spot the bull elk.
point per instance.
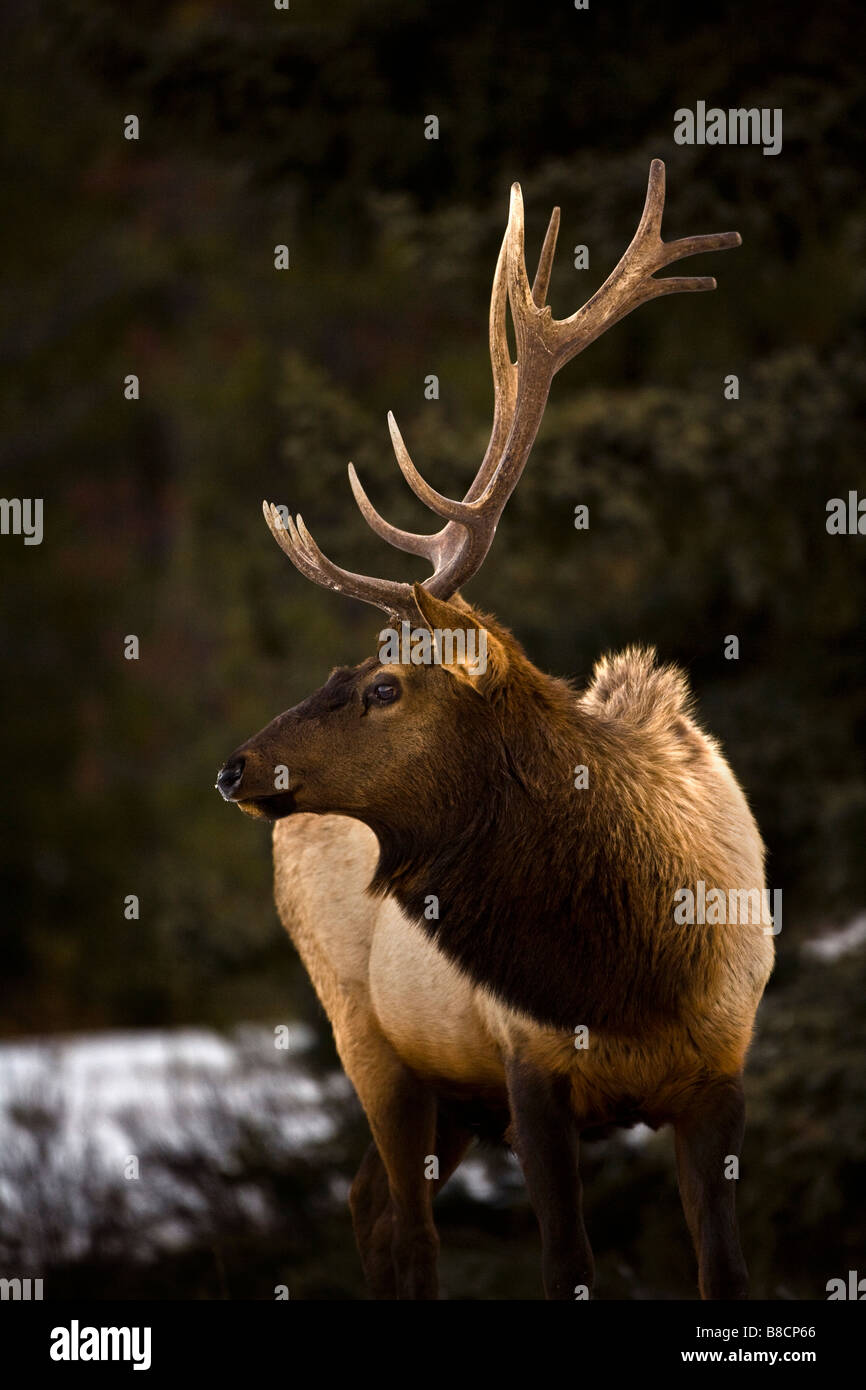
(451, 783)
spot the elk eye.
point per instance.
(384, 692)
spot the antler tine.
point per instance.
(541, 283)
(504, 371)
(384, 593)
(289, 542)
(414, 543)
(650, 224)
(505, 382)
(297, 543)
(504, 377)
(524, 309)
(505, 374)
(504, 395)
(649, 229)
(441, 505)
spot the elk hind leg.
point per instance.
(708, 1137)
(547, 1143)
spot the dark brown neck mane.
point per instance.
(545, 894)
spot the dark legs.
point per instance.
(546, 1140)
(391, 1198)
(708, 1137)
(370, 1204)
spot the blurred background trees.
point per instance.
(155, 257)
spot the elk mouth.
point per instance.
(272, 808)
(272, 805)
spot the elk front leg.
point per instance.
(547, 1143)
(372, 1218)
(708, 1136)
(373, 1214)
(402, 1115)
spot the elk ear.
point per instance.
(464, 645)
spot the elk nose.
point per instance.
(230, 777)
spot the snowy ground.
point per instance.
(139, 1144)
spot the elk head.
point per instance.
(388, 741)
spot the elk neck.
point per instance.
(530, 884)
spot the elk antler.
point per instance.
(544, 344)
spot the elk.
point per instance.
(449, 783)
